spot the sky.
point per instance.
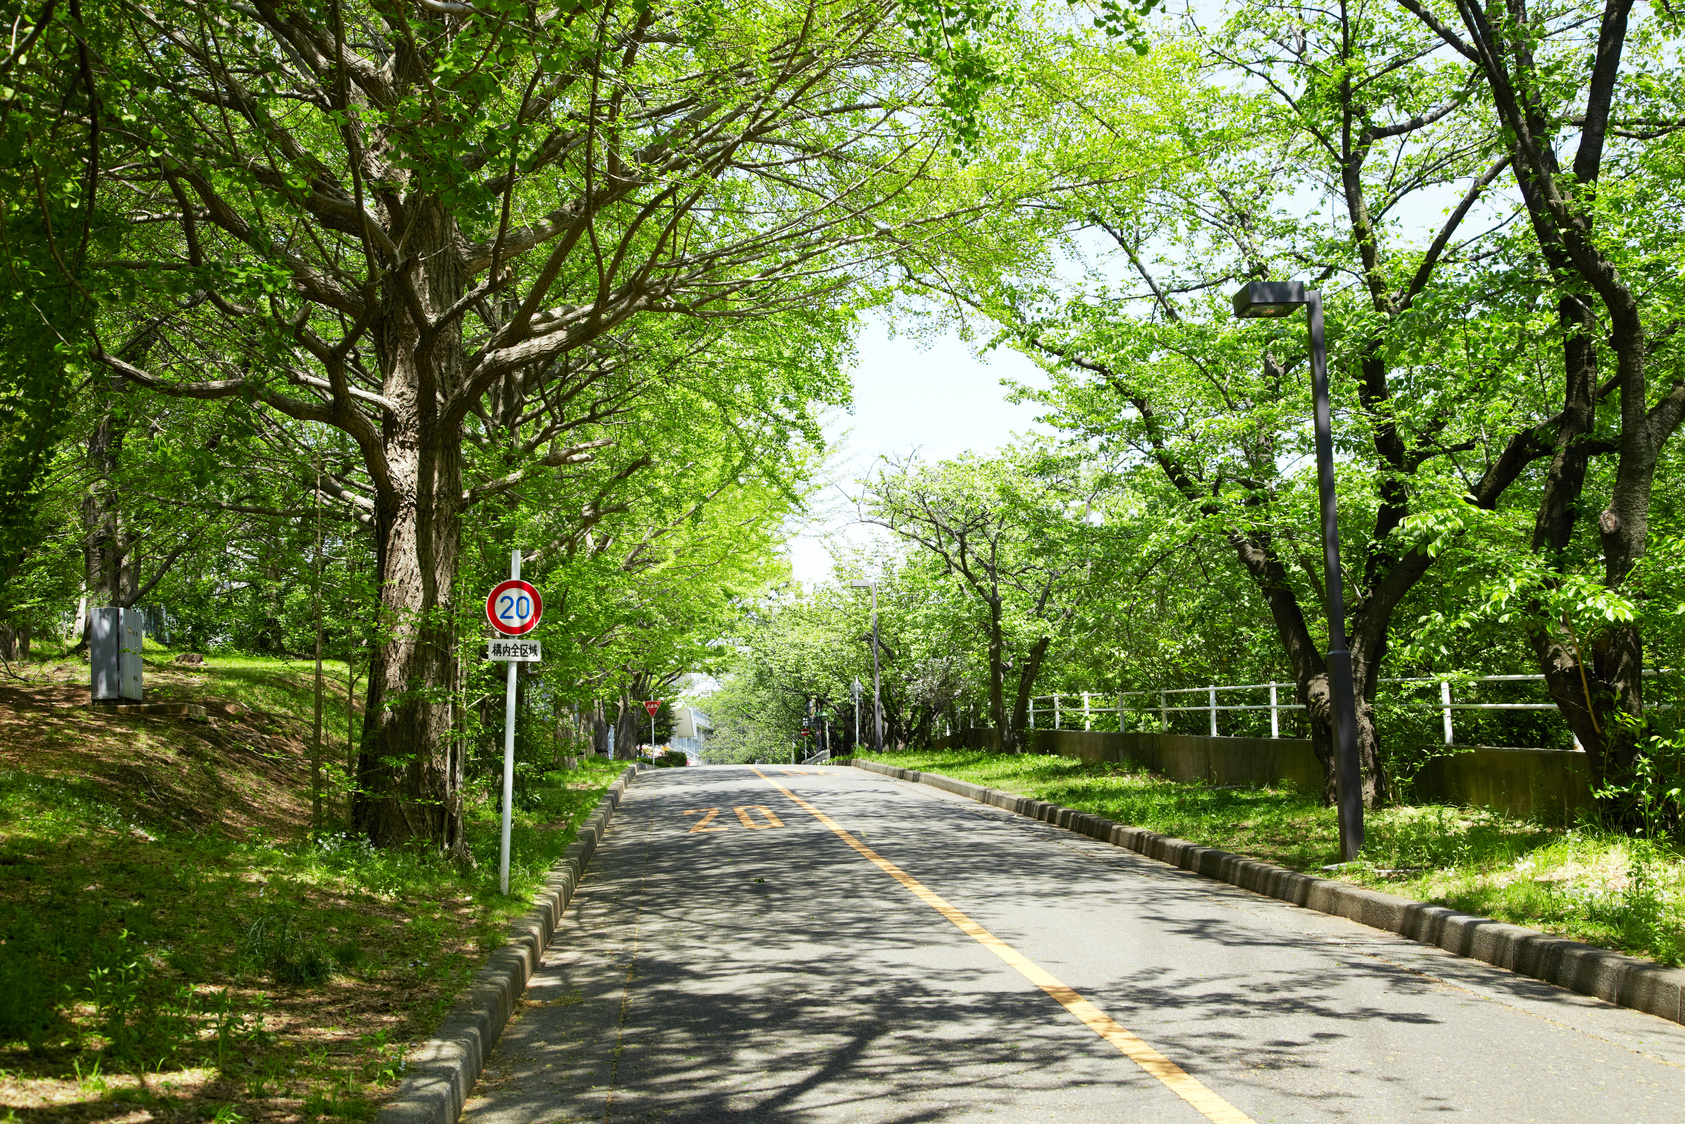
(936, 397)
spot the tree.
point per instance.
(796, 653)
(1154, 365)
(51, 221)
(1021, 535)
(465, 230)
(1610, 268)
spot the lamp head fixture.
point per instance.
(1259, 299)
(862, 585)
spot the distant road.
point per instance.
(798, 946)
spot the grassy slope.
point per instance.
(174, 942)
(1603, 889)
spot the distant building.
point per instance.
(690, 731)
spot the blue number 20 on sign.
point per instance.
(514, 607)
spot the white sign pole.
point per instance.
(508, 752)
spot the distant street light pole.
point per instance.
(1261, 299)
(877, 686)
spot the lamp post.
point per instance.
(877, 691)
(1263, 299)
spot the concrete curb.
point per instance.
(441, 1072)
(170, 710)
(1625, 981)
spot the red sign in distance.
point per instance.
(514, 607)
(652, 706)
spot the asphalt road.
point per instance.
(807, 946)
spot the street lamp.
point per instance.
(1261, 299)
(877, 692)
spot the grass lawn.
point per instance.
(1590, 885)
(176, 944)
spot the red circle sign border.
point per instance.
(504, 587)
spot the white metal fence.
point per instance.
(1063, 709)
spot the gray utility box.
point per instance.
(114, 654)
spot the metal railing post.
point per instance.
(1057, 720)
(1086, 722)
(1275, 714)
(1032, 712)
(1163, 714)
(1213, 710)
(1120, 727)
(1445, 708)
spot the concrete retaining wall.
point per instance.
(971, 737)
(1550, 783)
(1185, 757)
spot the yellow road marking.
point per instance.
(743, 811)
(702, 824)
(1174, 1077)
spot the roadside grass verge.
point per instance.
(1583, 883)
(177, 944)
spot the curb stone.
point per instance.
(441, 1072)
(171, 710)
(1625, 981)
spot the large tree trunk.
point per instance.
(632, 723)
(599, 729)
(1310, 671)
(1556, 650)
(1596, 680)
(1314, 695)
(14, 637)
(1026, 683)
(409, 773)
(997, 682)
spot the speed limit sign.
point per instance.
(514, 607)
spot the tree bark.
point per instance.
(1310, 671)
(409, 786)
(599, 729)
(409, 772)
(107, 563)
(997, 681)
(1031, 668)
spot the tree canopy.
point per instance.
(322, 309)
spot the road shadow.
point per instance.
(771, 974)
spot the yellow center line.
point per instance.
(1174, 1077)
